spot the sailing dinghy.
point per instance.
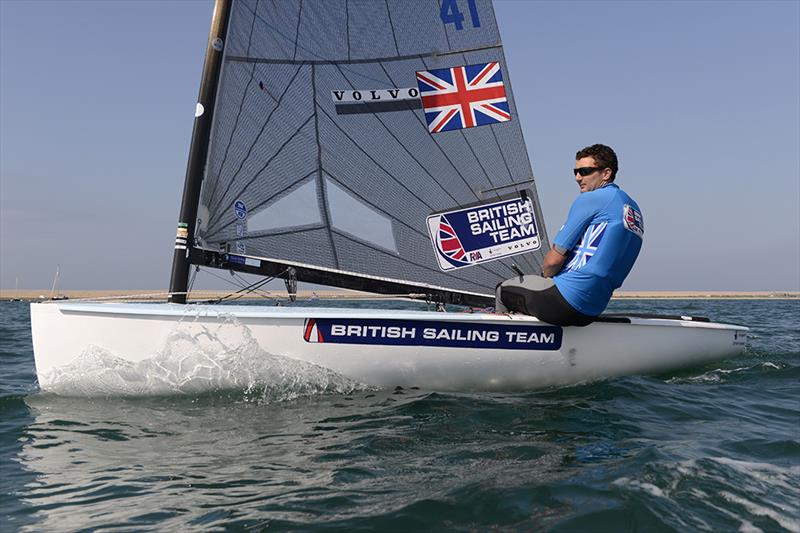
(371, 146)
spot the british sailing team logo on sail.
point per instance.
(463, 97)
(431, 333)
(485, 232)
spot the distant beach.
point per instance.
(155, 295)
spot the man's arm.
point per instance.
(553, 262)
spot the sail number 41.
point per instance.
(450, 14)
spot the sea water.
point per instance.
(283, 445)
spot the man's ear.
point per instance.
(606, 174)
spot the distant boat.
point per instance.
(375, 148)
(16, 291)
(53, 295)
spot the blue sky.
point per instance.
(701, 100)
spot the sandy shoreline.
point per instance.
(155, 295)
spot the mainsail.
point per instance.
(327, 149)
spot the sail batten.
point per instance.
(296, 172)
(388, 59)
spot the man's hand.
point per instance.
(552, 263)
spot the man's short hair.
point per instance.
(603, 155)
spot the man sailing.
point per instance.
(592, 254)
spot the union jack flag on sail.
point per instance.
(463, 97)
(587, 247)
(449, 243)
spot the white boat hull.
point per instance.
(62, 332)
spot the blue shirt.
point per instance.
(603, 234)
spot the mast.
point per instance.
(198, 150)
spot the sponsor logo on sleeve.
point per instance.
(633, 220)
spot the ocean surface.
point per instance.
(712, 448)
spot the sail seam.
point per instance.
(391, 25)
(297, 30)
(389, 59)
(444, 28)
(322, 192)
(347, 25)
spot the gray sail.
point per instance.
(305, 164)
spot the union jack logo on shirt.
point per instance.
(463, 97)
(449, 243)
(587, 247)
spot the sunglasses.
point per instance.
(585, 171)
